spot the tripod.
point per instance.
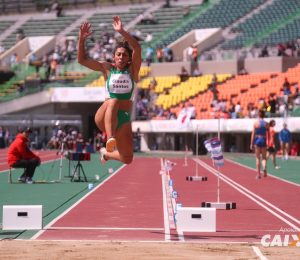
(78, 168)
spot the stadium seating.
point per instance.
(287, 33)
(42, 27)
(186, 90)
(214, 17)
(260, 23)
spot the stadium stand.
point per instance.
(211, 16)
(260, 24)
(43, 27)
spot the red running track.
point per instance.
(129, 206)
(250, 221)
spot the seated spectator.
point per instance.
(149, 55)
(20, 35)
(159, 54)
(167, 54)
(264, 52)
(184, 74)
(20, 156)
(272, 105)
(148, 19)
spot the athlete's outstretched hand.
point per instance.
(85, 30)
(117, 24)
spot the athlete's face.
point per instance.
(121, 58)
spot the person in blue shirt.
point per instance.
(259, 136)
(285, 139)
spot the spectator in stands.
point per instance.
(192, 110)
(36, 63)
(271, 151)
(159, 54)
(149, 55)
(190, 53)
(297, 48)
(57, 8)
(281, 49)
(195, 54)
(20, 35)
(148, 37)
(53, 68)
(213, 87)
(259, 137)
(285, 139)
(148, 19)
(20, 156)
(264, 52)
(167, 54)
(20, 88)
(14, 60)
(286, 93)
(296, 97)
(272, 105)
(113, 116)
(184, 74)
(47, 67)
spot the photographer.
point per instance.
(20, 156)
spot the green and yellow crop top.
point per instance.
(119, 84)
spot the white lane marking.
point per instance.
(259, 253)
(244, 191)
(103, 228)
(260, 198)
(165, 207)
(273, 176)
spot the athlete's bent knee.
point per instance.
(127, 159)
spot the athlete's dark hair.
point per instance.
(125, 45)
(272, 122)
(261, 113)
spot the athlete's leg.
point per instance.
(110, 118)
(111, 121)
(257, 160)
(99, 116)
(124, 152)
(264, 160)
(287, 150)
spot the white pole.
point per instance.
(219, 137)
(61, 160)
(185, 156)
(218, 190)
(197, 133)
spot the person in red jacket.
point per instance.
(20, 156)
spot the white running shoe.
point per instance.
(102, 153)
(111, 144)
(277, 167)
